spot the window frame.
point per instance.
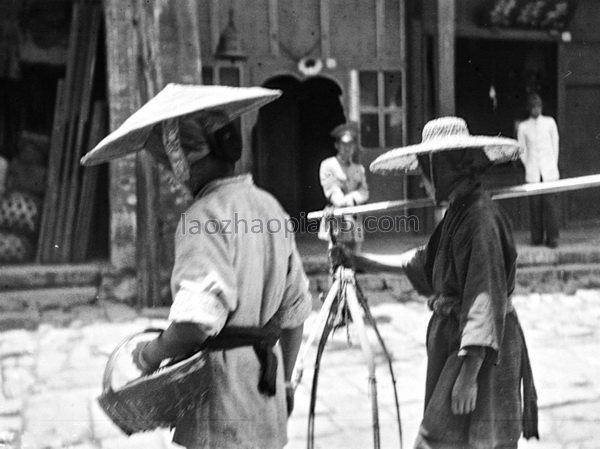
(381, 110)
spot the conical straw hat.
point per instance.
(173, 101)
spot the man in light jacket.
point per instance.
(539, 137)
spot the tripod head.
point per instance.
(340, 255)
(337, 253)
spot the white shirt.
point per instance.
(234, 241)
(539, 138)
(343, 185)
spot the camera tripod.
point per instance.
(345, 304)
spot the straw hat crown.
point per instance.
(444, 127)
(444, 134)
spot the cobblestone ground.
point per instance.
(50, 378)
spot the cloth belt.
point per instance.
(446, 305)
(262, 339)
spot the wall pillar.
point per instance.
(445, 41)
(173, 30)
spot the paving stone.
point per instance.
(119, 312)
(25, 319)
(9, 439)
(58, 419)
(10, 406)
(86, 314)
(101, 425)
(16, 381)
(17, 343)
(562, 332)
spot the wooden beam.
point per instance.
(88, 77)
(52, 175)
(273, 28)
(147, 180)
(354, 96)
(188, 39)
(215, 24)
(89, 188)
(446, 26)
(379, 27)
(325, 24)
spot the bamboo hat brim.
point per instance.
(445, 134)
(173, 101)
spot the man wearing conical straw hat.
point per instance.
(477, 357)
(238, 286)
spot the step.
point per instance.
(47, 298)
(15, 277)
(542, 278)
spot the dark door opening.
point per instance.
(493, 79)
(40, 143)
(291, 138)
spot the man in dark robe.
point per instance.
(477, 357)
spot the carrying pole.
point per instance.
(517, 191)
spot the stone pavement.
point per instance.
(50, 377)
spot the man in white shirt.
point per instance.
(344, 183)
(539, 137)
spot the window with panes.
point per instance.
(381, 108)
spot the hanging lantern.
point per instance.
(230, 45)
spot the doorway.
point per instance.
(493, 79)
(292, 137)
(52, 110)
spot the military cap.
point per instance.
(346, 132)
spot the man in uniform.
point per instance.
(344, 183)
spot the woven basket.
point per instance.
(15, 248)
(156, 400)
(20, 213)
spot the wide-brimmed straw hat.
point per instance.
(444, 134)
(177, 100)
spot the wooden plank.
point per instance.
(446, 13)
(379, 27)
(79, 149)
(147, 180)
(89, 186)
(52, 173)
(215, 25)
(325, 24)
(188, 40)
(73, 116)
(46, 238)
(273, 28)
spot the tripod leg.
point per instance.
(358, 320)
(320, 348)
(371, 321)
(317, 327)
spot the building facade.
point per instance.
(390, 65)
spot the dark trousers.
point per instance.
(544, 216)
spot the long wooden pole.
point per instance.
(518, 191)
(72, 192)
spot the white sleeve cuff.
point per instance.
(198, 302)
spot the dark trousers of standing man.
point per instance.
(544, 216)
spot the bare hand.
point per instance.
(464, 393)
(289, 399)
(140, 361)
